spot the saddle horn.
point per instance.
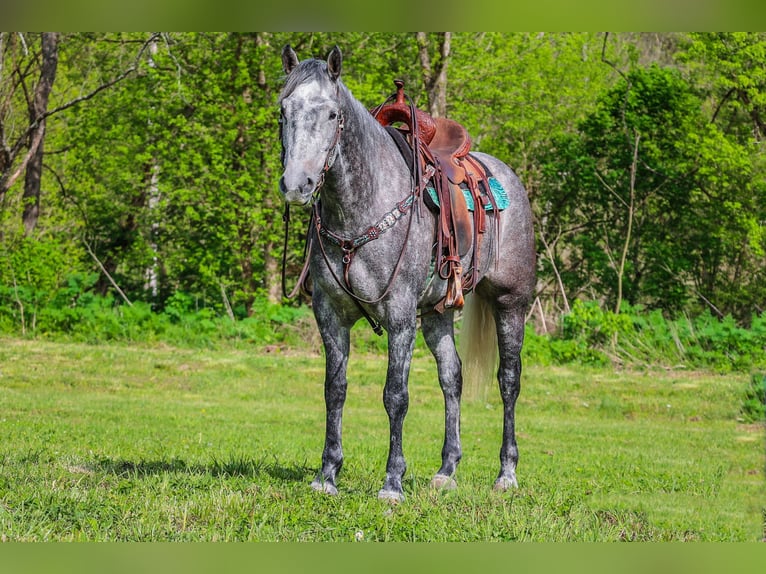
(399, 111)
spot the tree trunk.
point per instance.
(631, 214)
(272, 278)
(435, 73)
(37, 110)
(152, 272)
(32, 181)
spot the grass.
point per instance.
(153, 443)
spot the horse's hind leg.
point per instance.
(439, 336)
(510, 335)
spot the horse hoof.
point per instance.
(505, 483)
(324, 487)
(390, 496)
(443, 482)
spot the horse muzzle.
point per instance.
(297, 192)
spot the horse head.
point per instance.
(311, 121)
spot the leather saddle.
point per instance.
(444, 145)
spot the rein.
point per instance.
(300, 286)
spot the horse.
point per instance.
(370, 255)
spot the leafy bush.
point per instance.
(704, 341)
(34, 276)
(589, 323)
(754, 402)
(588, 335)
(72, 311)
(593, 336)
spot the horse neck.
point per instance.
(369, 176)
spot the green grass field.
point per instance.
(133, 443)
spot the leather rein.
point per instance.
(347, 246)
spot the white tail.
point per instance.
(478, 348)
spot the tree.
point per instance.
(22, 148)
(636, 185)
(435, 70)
(99, 190)
(518, 94)
(39, 243)
(19, 58)
(727, 70)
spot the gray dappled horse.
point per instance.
(331, 141)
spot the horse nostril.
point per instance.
(294, 183)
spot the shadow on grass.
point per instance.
(234, 467)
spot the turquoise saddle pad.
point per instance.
(495, 188)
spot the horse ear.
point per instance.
(334, 61)
(289, 59)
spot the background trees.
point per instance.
(149, 174)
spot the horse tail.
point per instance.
(478, 348)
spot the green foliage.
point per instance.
(591, 335)
(725, 345)
(515, 91)
(588, 322)
(72, 311)
(647, 115)
(165, 182)
(32, 272)
(588, 335)
(729, 67)
(649, 181)
(583, 338)
(754, 401)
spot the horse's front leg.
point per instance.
(335, 336)
(401, 341)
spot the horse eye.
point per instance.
(333, 115)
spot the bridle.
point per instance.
(332, 154)
(350, 246)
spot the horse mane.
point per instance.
(312, 68)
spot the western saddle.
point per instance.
(438, 155)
